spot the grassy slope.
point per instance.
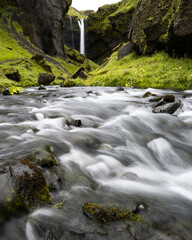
(75, 13)
(14, 54)
(156, 71)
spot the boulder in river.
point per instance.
(167, 107)
(30, 183)
(120, 89)
(101, 214)
(73, 122)
(45, 78)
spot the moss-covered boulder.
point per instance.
(80, 73)
(162, 24)
(68, 83)
(41, 60)
(12, 74)
(105, 214)
(30, 183)
(45, 78)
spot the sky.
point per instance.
(91, 4)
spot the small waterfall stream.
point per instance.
(72, 35)
(81, 23)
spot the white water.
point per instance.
(81, 23)
(72, 35)
(122, 154)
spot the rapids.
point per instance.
(123, 155)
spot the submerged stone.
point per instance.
(99, 213)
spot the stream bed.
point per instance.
(122, 155)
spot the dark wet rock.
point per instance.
(43, 158)
(90, 92)
(43, 22)
(73, 122)
(148, 94)
(80, 73)
(42, 88)
(163, 107)
(162, 24)
(119, 89)
(13, 74)
(6, 92)
(68, 83)
(99, 213)
(29, 181)
(169, 98)
(155, 99)
(41, 60)
(125, 50)
(45, 78)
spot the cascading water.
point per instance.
(81, 23)
(72, 35)
(123, 155)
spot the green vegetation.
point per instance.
(75, 13)
(16, 51)
(102, 214)
(156, 71)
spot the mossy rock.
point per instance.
(45, 78)
(41, 60)
(68, 83)
(30, 183)
(42, 158)
(12, 74)
(107, 214)
(75, 55)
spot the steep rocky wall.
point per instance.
(163, 24)
(43, 22)
(106, 29)
(67, 35)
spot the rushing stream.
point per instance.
(122, 155)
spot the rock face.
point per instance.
(72, 39)
(105, 30)
(162, 24)
(43, 22)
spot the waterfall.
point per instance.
(81, 23)
(72, 36)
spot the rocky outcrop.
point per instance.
(162, 24)
(125, 50)
(43, 22)
(105, 30)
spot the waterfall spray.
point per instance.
(81, 23)
(72, 36)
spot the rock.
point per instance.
(73, 122)
(162, 24)
(119, 89)
(106, 29)
(45, 78)
(125, 50)
(167, 107)
(148, 94)
(104, 215)
(42, 88)
(43, 22)
(42, 158)
(41, 60)
(6, 92)
(169, 98)
(29, 181)
(68, 83)
(80, 73)
(13, 74)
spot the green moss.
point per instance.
(156, 71)
(75, 13)
(99, 213)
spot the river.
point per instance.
(123, 155)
